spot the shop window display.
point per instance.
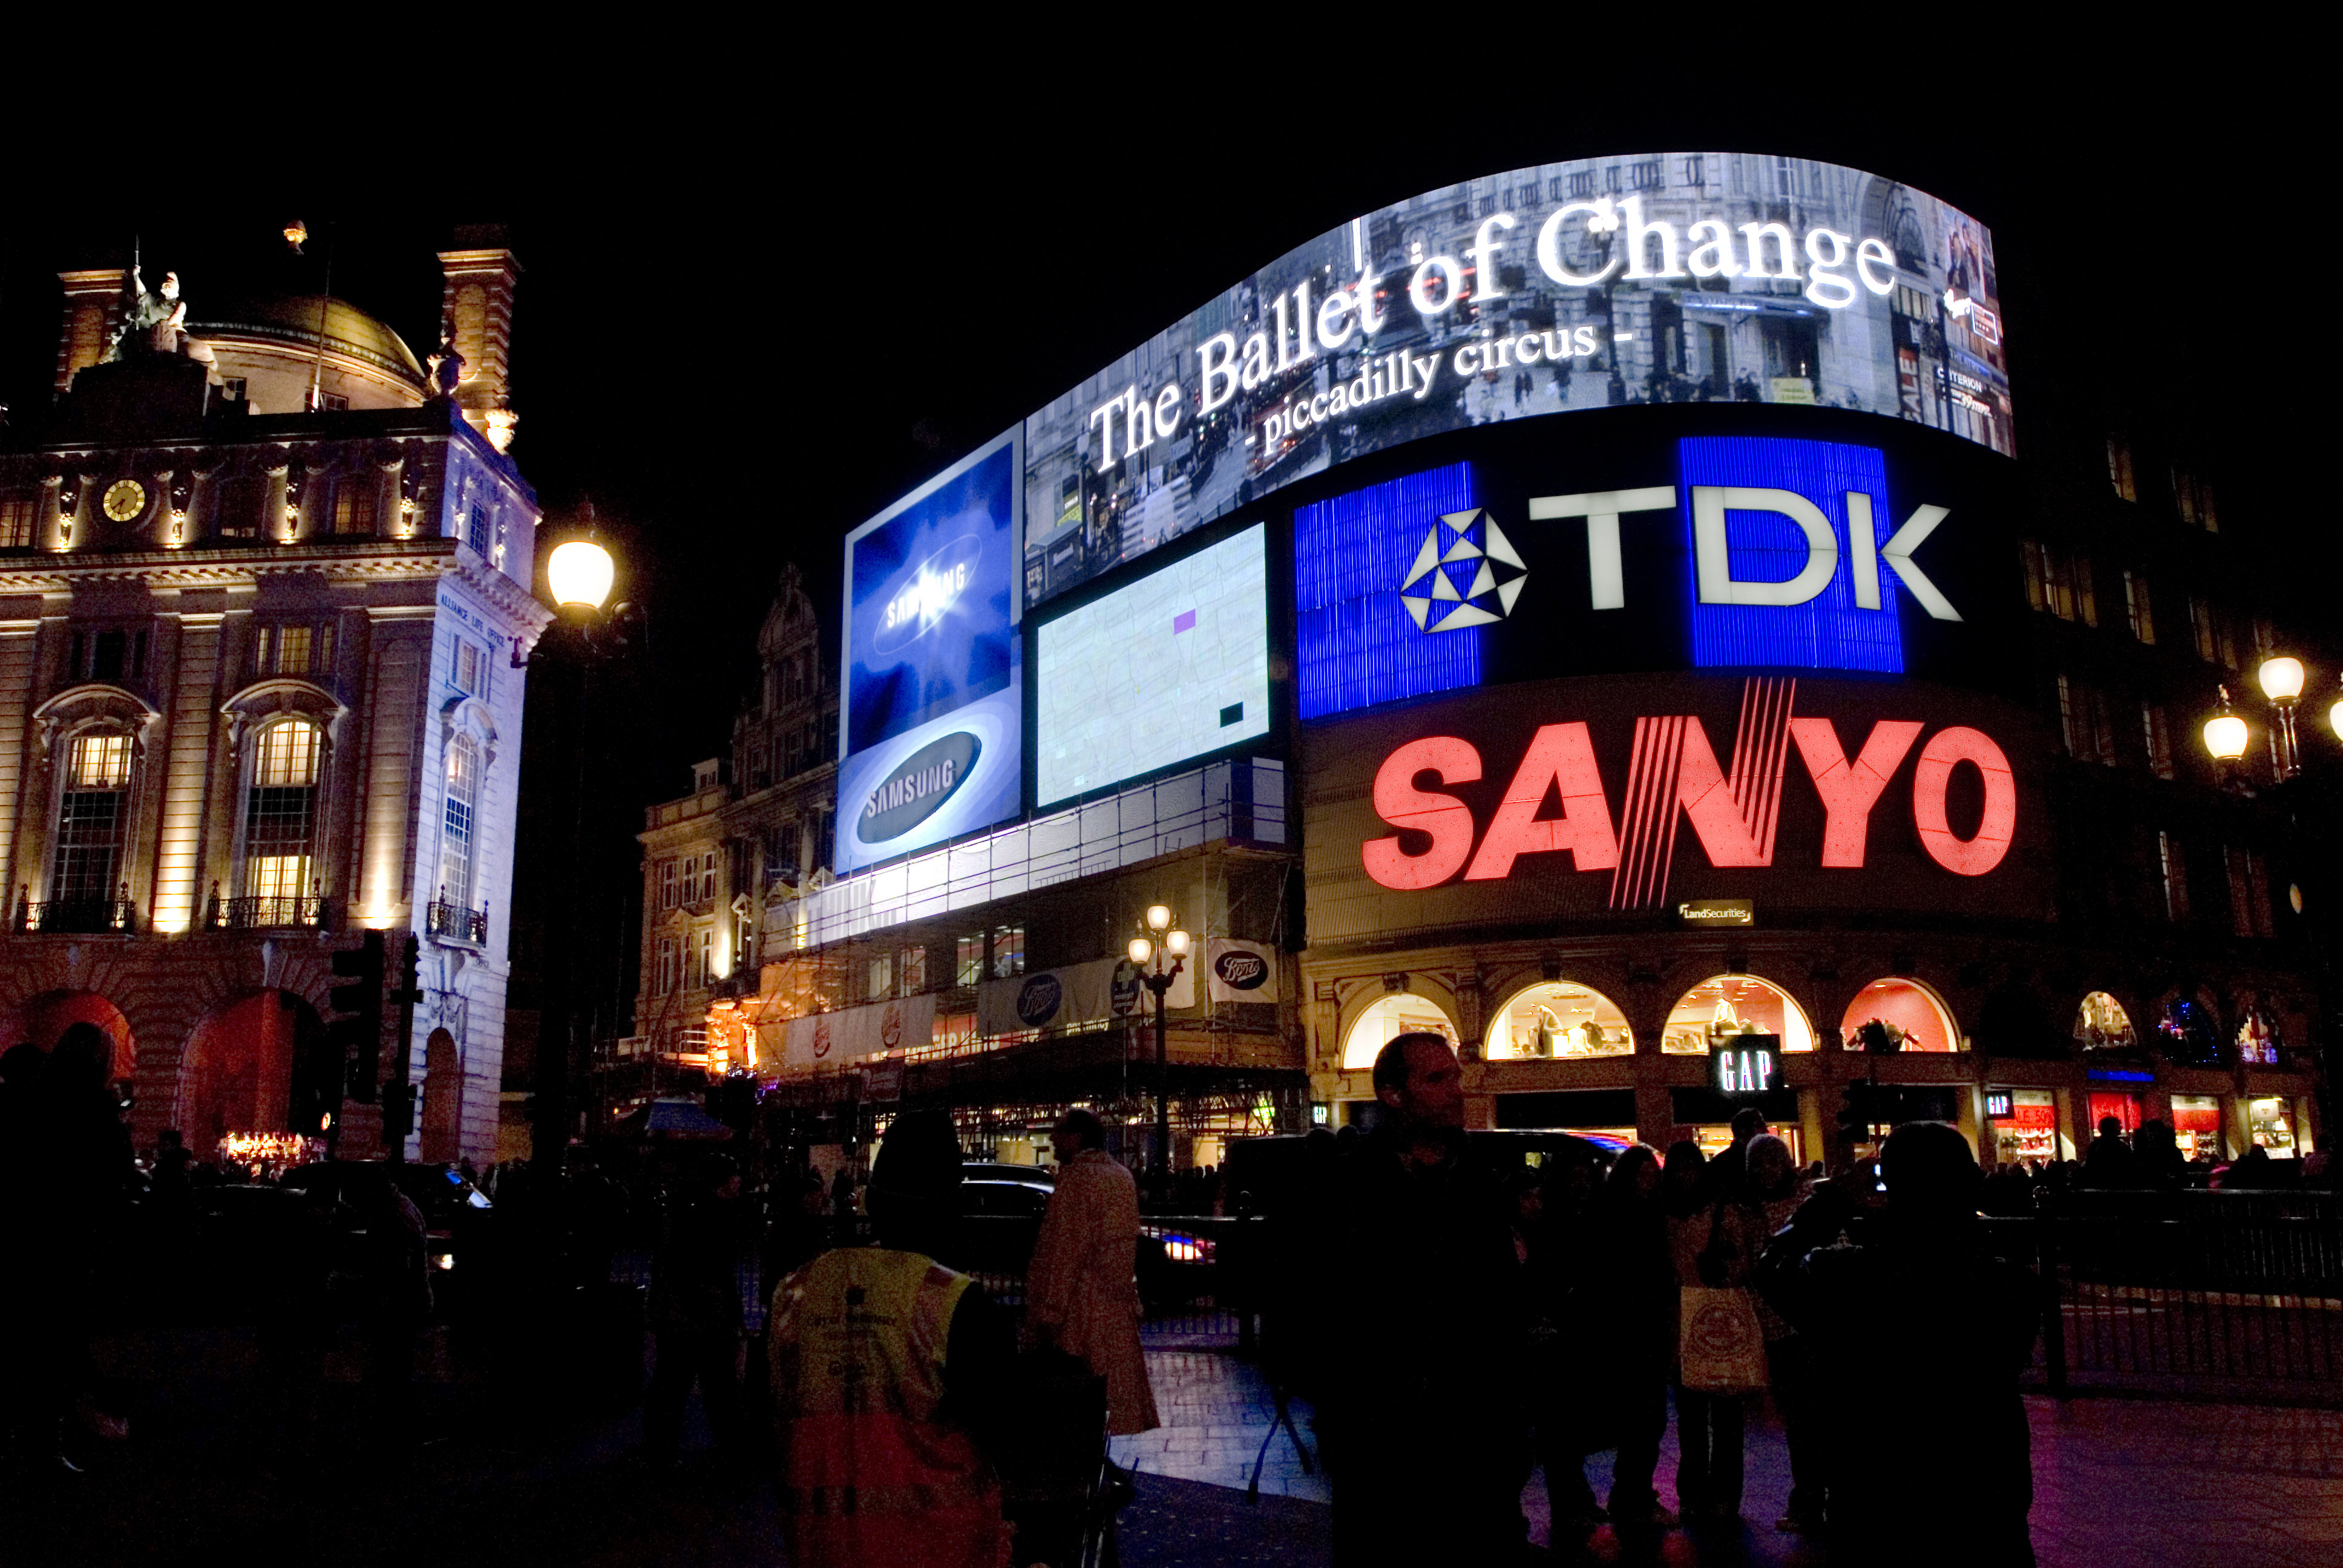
(1400, 1012)
(2197, 1125)
(2257, 1041)
(2124, 1108)
(1559, 1018)
(2191, 1036)
(2025, 1124)
(1914, 1014)
(2101, 1024)
(2269, 1123)
(1729, 1005)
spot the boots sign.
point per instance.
(1815, 793)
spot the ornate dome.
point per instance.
(291, 321)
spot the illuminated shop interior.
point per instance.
(2024, 1126)
(1559, 1018)
(1728, 1005)
(2101, 1023)
(1384, 1020)
(2197, 1125)
(1911, 1008)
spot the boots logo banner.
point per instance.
(1675, 779)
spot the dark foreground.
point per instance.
(500, 1478)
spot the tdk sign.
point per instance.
(1778, 552)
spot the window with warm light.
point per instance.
(2139, 608)
(1558, 1018)
(1385, 1019)
(93, 818)
(2102, 1024)
(1917, 1014)
(2158, 734)
(1724, 1006)
(280, 811)
(353, 501)
(18, 511)
(458, 822)
(2174, 866)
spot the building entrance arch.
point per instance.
(1385, 1019)
(443, 1098)
(238, 1075)
(42, 1020)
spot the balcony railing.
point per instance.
(77, 916)
(273, 911)
(455, 923)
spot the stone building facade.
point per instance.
(259, 691)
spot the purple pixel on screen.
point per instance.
(1184, 622)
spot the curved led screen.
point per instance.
(1662, 277)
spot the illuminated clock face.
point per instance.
(125, 500)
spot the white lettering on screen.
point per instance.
(1299, 327)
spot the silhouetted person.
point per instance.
(842, 1206)
(1917, 1333)
(1081, 1293)
(396, 1269)
(1637, 1330)
(1420, 1400)
(1724, 1172)
(695, 1314)
(2157, 1158)
(2110, 1162)
(890, 1374)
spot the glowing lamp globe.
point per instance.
(1159, 916)
(2335, 718)
(2225, 737)
(580, 573)
(1141, 950)
(1176, 944)
(2281, 679)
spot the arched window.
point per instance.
(93, 828)
(1915, 1013)
(1559, 1018)
(456, 819)
(2101, 1023)
(1384, 1020)
(1727, 1005)
(280, 822)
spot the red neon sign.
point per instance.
(1674, 774)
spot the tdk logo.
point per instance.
(1453, 583)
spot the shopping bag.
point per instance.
(1721, 1348)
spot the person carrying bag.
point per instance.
(1721, 1358)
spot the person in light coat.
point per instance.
(1082, 1295)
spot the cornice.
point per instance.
(407, 561)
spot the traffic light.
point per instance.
(357, 1034)
(316, 1078)
(1854, 1115)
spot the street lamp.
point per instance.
(2335, 719)
(578, 575)
(2225, 732)
(2281, 679)
(1165, 941)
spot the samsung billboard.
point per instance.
(931, 722)
(1661, 277)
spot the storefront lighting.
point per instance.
(2225, 733)
(580, 573)
(2281, 679)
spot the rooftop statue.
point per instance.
(444, 368)
(154, 322)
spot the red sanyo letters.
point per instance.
(1675, 770)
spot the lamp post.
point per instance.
(1147, 955)
(2225, 733)
(578, 575)
(2281, 683)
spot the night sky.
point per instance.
(741, 335)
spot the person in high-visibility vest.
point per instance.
(886, 1366)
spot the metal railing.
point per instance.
(2239, 1292)
(454, 922)
(85, 917)
(270, 911)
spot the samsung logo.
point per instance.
(917, 790)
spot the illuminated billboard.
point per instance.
(1622, 797)
(930, 720)
(1169, 668)
(1650, 278)
(1672, 539)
